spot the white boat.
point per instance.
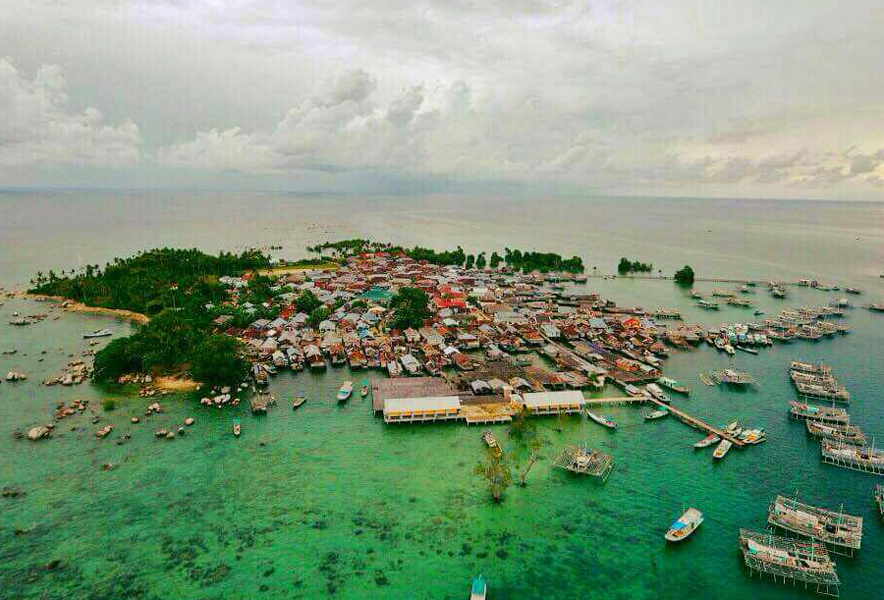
(674, 385)
(479, 589)
(657, 392)
(657, 414)
(345, 391)
(722, 449)
(685, 525)
(602, 420)
(98, 333)
(707, 441)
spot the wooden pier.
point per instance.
(697, 423)
(614, 400)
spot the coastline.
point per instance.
(122, 314)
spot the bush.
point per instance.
(109, 404)
(116, 359)
(685, 276)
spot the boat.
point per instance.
(674, 385)
(345, 391)
(708, 305)
(752, 436)
(685, 525)
(601, 420)
(746, 349)
(479, 589)
(491, 442)
(758, 313)
(843, 531)
(364, 391)
(98, 333)
(707, 441)
(721, 450)
(657, 414)
(657, 393)
(879, 498)
(300, 399)
(236, 427)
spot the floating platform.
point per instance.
(585, 461)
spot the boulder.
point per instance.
(39, 432)
(188, 421)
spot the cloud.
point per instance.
(37, 127)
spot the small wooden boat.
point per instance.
(685, 525)
(657, 414)
(345, 392)
(707, 441)
(98, 333)
(299, 400)
(479, 589)
(674, 385)
(236, 427)
(879, 498)
(722, 449)
(364, 391)
(602, 420)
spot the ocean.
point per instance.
(328, 502)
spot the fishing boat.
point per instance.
(879, 498)
(345, 391)
(601, 420)
(746, 349)
(685, 525)
(708, 305)
(842, 531)
(707, 441)
(657, 414)
(758, 313)
(722, 449)
(236, 427)
(479, 589)
(364, 391)
(300, 399)
(674, 385)
(98, 333)
(657, 393)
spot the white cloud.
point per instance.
(38, 129)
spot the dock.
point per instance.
(614, 400)
(697, 423)
(585, 461)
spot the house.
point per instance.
(550, 331)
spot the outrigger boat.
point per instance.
(685, 525)
(299, 400)
(345, 391)
(707, 441)
(602, 420)
(99, 333)
(479, 589)
(236, 428)
(721, 450)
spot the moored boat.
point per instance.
(708, 441)
(364, 391)
(345, 392)
(479, 589)
(685, 525)
(300, 399)
(674, 385)
(722, 449)
(601, 420)
(656, 392)
(236, 427)
(657, 414)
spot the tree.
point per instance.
(685, 276)
(318, 315)
(497, 473)
(219, 361)
(471, 260)
(480, 261)
(495, 260)
(115, 360)
(521, 426)
(410, 308)
(535, 449)
(307, 302)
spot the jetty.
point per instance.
(585, 461)
(842, 533)
(697, 423)
(788, 560)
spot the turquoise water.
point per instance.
(327, 501)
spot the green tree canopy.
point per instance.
(685, 275)
(219, 361)
(410, 308)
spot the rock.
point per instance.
(53, 564)
(170, 435)
(104, 431)
(39, 432)
(160, 433)
(108, 467)
(148, 379)
(12, 492)
(135, 420)
(188, 421)
(181, 431)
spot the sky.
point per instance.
(753, 98)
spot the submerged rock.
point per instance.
(38, 433)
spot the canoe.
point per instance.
(602, 420)
(299, 400)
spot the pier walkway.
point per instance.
(696, 279)
(697, 423)
(613, 400)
